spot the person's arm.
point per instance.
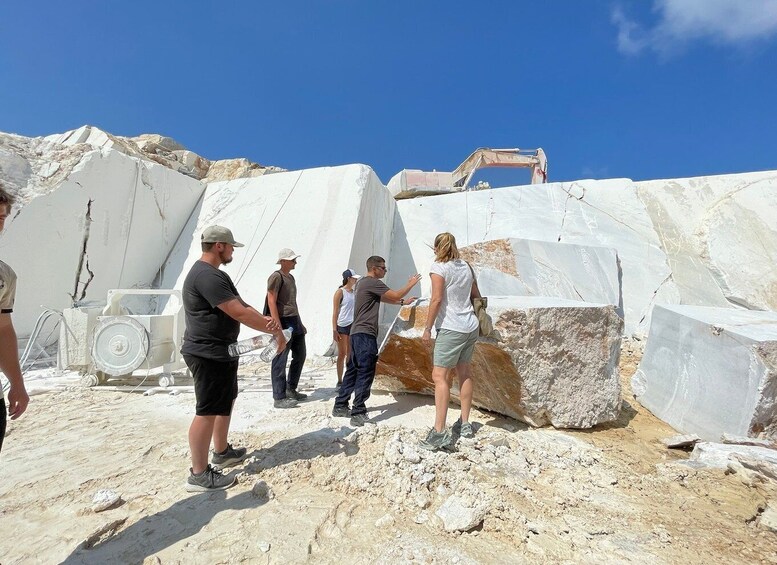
(396, 296)
(475, 292)
(274, 284)
(438, 288)
(9, 364)
(338, 300)
(249, 316)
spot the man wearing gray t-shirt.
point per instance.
(360, 370)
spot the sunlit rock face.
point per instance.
(86, 221)
(711, 371)
(162, 150)
(555, 361)
(708, 241)
(526, 267)
(334, 217)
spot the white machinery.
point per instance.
(410, 183)
(114, 343)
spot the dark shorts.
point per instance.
(345, 330)
(215, 385)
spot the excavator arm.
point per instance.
(485, 157)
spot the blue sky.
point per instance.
(639, 89)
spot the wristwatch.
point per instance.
(401, 301)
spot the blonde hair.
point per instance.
(445, 248)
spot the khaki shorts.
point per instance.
(452, 348)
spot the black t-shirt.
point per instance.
(369, 291)
(209, 331)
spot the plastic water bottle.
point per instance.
(247, 345)
(269, 352)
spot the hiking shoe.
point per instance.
(463, 429)
(285, 403)
(210, 479)
(436, 441)
(298, 396)
(359, 420)
(467, 430)
(230, 456)
(341, 412)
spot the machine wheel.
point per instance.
(88, 381)
(166, 380)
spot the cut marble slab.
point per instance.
(526, 267)
(556, 361)
(711, 371)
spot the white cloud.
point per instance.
(725, 22)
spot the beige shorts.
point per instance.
(452, 348)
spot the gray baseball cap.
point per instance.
(219, 234)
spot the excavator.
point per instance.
(410, 183)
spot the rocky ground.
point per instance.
(314, 489)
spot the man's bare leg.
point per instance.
(200, 433)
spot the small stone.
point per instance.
(410, 454)
(741, 440)
(460, 515)
(384, 521)
(262, 491)
(681, 441)
(105, 499)
(264, 546)
(421, 518)
(768, 520)
(426, 478)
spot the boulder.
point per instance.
(555, 362)
(761, 460)
(461, 513)
(711, 371)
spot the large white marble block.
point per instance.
(526, 267)
(711, 371)
(335, 217)
(555, 362)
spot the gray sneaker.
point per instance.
(298, 396)
(285, 403)
(463, 429)
(359, 420)
(436, 441)
(230, 456)
(339, 412)
(210, 479)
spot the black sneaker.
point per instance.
(359, 420)
(298, 396)
(230, 456)
(210, 479)
(285, 403)
(341, 412)
(436, 441)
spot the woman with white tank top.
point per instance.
(342, 318)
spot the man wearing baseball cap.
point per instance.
(282, 306)
(214, 312)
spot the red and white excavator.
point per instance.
(410, 183)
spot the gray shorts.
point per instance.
(452, 348)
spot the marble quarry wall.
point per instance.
(704, 241)
(96, 212)
(99, 220)
(335, 217)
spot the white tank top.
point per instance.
(345, 318)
